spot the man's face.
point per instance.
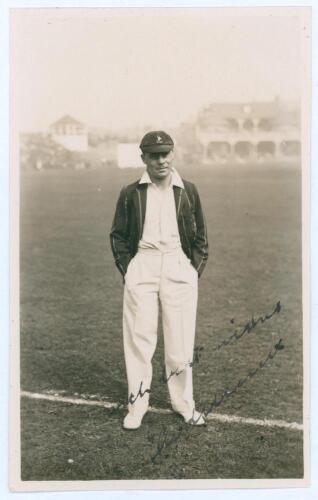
(158, 164)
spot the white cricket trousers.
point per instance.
(170, 278)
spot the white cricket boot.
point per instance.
(132, 422)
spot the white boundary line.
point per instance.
(212, 416)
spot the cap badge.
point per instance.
(159, 139)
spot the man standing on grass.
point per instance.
(159, 242)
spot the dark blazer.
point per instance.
(129, 220)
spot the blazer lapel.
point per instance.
(140, 201)
(178, 198)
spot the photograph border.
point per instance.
(15, 482)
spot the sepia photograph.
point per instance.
(159, 267)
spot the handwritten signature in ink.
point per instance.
(166, 439)
(248, 327)
(132, 398)
(196, 358)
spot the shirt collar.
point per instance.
(175, 179)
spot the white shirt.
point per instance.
(161, 227)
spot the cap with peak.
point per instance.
(156, 142)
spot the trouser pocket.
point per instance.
(131, 276)
(188, 273)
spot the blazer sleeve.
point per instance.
(200, 246)
(119, 239)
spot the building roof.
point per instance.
(66, 120)
(241, 110)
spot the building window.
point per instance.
(218, 150)
(248, 124)
(243, 150)
(232, 124)
(290, 148)
(265, 150)
(265, 125)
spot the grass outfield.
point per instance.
(71, 299)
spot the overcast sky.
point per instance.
(118, 68)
